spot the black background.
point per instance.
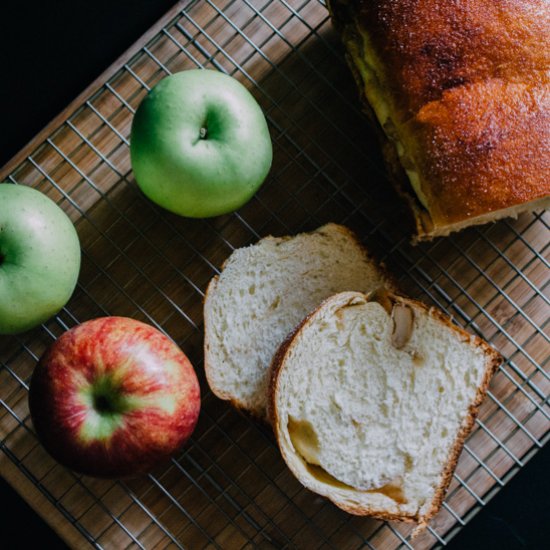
(50, 52)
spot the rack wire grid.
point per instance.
(229, 488)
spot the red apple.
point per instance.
(113, 397)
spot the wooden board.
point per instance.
(229, 487)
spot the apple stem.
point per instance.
(202, 133)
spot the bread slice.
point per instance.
(263, 292)
(371, 399)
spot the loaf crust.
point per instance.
(493, 360)
(467, 88)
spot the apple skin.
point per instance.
(39, 258)
(192, 174)
(113, 397)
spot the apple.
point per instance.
(39, 258)
(113, 397)
(200, 144)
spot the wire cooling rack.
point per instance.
(228, 488)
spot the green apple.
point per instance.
(39, 258)
(200, 144)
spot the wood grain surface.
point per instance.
(229, 487)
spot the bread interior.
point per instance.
(369, 420)
(264, 291)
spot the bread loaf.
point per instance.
(460, 92)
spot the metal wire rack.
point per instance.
(228, 488)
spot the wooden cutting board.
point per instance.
(229, 487)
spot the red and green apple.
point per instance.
(200, 144)
(113, 397)
(39, 258)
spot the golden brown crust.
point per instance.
(493, 361)
(429, 46)
(467, 85)
(483, 147)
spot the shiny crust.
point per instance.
(468, 87)
(478, 149)
(493, 361)
(429, 46)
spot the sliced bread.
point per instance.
(263, 292)
(371, 399)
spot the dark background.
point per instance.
(50, 52)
